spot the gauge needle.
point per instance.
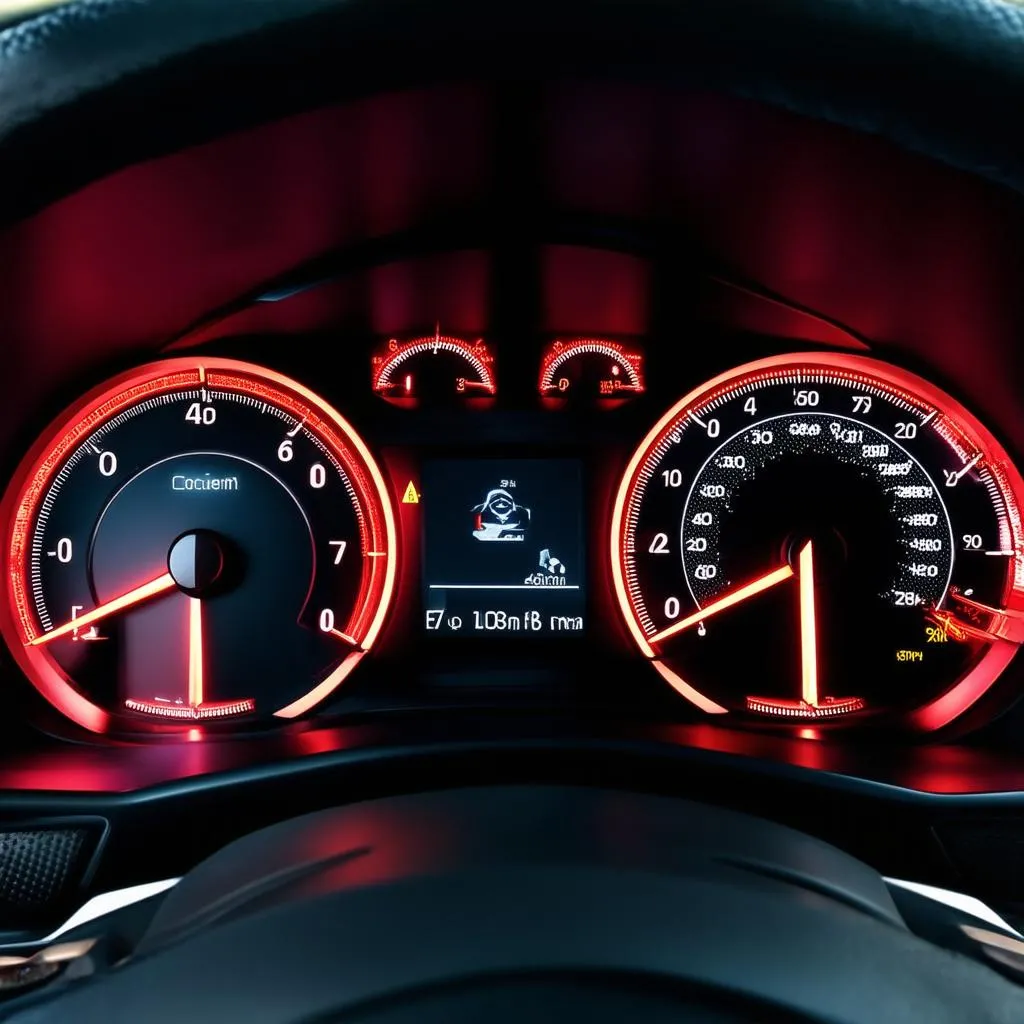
(808, 627)
(734, 597)
(344, 636)
(195, 652)
(127, 600)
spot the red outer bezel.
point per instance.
(918, 392)
(18, 622)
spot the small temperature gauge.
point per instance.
(436, 369)
(590, 368)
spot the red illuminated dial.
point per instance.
(590, 368)
(196, 541)
(822, 537)
(436, 369)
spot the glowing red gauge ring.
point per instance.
(408, 349)
(961, 426)
(578, 346)
(31, 480)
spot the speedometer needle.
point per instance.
(133, 597)
(195, 652)
(808, 627)
(757, 586)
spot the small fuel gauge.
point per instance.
(590, 368)
(436, 369)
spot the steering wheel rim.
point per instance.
(118, 81)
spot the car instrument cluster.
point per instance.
(818, 538)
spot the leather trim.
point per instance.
(98, 84)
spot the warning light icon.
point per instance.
(411, 496)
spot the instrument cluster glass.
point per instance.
(819, 538)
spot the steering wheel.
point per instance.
(495, 903)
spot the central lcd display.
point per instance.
(503, 547)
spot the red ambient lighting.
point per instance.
(19, 623)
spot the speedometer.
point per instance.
(822, 537)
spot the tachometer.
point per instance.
(822, 537)
(196, 541)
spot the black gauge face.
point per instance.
(821, 538)
(436, 370)
(589, 368)
(197, 543)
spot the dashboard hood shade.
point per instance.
(94, 85)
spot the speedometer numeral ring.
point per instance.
(905, 511)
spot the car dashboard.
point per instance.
(485, 433)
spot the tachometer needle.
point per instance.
(195, 652)
(734, 597)
(344, 636)
(808, 627)
(133, 597)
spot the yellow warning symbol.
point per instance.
(411, 496)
